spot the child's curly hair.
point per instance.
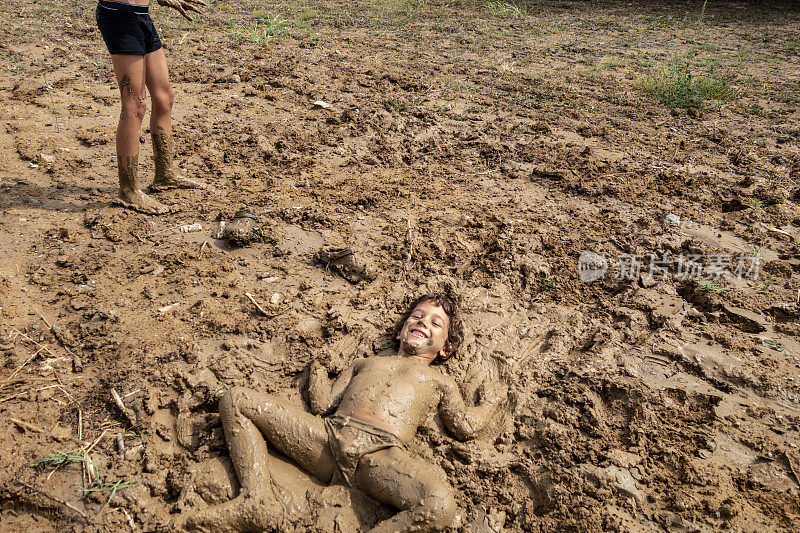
(455, 333)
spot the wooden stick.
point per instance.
(45, 321)
(250, 297)
(129, 414)
(28, 360)
(131, 523)
(103, 434)
(132, 393)
(26, 425)
(63, 387)
(37, 429)
(41, 346)
(57, 500)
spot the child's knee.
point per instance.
(134, 107)
(438, 508)
(163, 99)
(231, 399)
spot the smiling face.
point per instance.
(424, 333)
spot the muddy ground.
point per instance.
(468, 146)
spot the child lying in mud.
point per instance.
(374, 409)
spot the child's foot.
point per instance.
(139, 201)
(243, 513)
(175, 182)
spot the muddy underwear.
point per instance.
(127, 28)
(351, 439)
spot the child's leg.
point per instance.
(252, 420)
(419, 490)
(130, 73)
(162, 97)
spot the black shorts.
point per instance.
(126, 28)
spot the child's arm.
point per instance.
(324, 395)
(183, 6)
(465, 421)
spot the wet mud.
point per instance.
(461, 149)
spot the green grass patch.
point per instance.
(679, 88)
(711, 287)
(266, 27)
(60, 458)
(607, 63)
(504, 9)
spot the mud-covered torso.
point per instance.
(393, 393)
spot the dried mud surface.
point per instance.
(463, 148)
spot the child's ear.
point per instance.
(444, 353)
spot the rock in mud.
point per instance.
(618, 479)
(344, 262)
(244, 229)
(747, 321)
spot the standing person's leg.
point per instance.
(162, 97)
(130, 73)
(419, 490)
(251, 420)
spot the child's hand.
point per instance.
(182, 6)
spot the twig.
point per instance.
(63, 389)
(26, 425)
(28, 360)
(57, 500)
(129, 414)
(43, 347)
(202, 247)
(96, 441)
(45, 321)
(250, 297)
(130, 520)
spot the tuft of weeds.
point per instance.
(265, 28)
(775, 345)
(507, 9)
(607, 63)
(60, 458)
(711, 287)
(109, 486)
(679, 88)
(392, 106)
(767, 284)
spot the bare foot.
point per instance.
(139, 201)
(243, 513)
(177, 182)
